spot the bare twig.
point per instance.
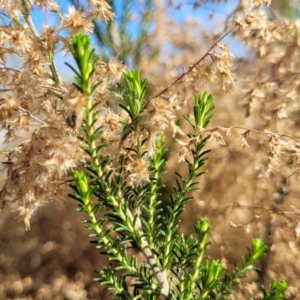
(271, 79)
(50, 54)
(28, 114)
(178, 79)
(28, 19)
(254, 130)
(266, 211)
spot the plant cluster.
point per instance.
(105, 134)
(170, 264)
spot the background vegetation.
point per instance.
(251, 188)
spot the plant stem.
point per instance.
(126, 216)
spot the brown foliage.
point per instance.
(251, 188)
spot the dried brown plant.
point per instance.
(252, 185)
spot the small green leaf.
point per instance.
(258, 250)
(81, 180)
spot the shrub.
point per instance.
(116, 154)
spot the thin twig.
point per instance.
(28, 114)
(271, 79)
(294, 173)
(196, 63)
(266, 211)
(9, 69)
(34, 31)
(79, 6)
(277, 17)
(28, 20)
(253, 130)
(269, 212)
(50, 88)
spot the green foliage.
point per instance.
(136, 93)
(86, 62)
(276, 291)
(202, 110)
(123, 216)
(287, 8)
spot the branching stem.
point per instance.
(254, 130)
(178, 79)
(147, 252)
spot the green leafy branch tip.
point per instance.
(258, 250)
(81, 180)
(276, 291)
(202, 111)
(86, 61)
(203, 108)
(136, 92)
